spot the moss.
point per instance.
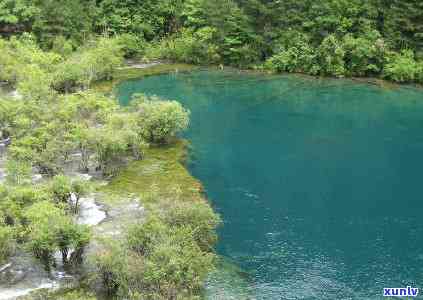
(159, 173)
(123, 74)
(62, 294)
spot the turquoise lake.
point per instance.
(318, 181)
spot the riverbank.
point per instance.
(137, 71)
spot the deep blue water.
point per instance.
(319, 182)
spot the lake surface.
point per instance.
(319, 182)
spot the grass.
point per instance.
(123, 74)
(161, 173)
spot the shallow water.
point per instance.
(91, 213)
(318, 181)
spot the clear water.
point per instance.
(319, 182)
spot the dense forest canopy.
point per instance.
(326, 37)
(399, 22)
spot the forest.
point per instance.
(55, 52)
(361, 38)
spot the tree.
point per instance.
(403, 67)
(160, 120)
(331, 57)
(72, 19)
(16, 15)
(6, 242)
(50, 229)
(364, 54)
(96, 61)
(18, 172)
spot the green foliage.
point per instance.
(144, 18)
(69, 18)
(344, 37)
(295, 55)
(132, 45)
(364, 54)
(331, 57)
(190, 47)
(198, 216)
(18, 172)
(96, 61)
(62, 46)
(60, 188)
(402, 67)
(156, 262)
(16, 14)
(6, 242)
(160, 120)
(21, 60)
(14, 201)
(50, 229)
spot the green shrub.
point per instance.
(159, 262)
(62, 46)
(111, 264)
(50, 229)
(132, 45)
(196, 215)
(6, 243)
(96, 61)
(60, 188)
(331, 57)
(402, 67)
(190, 46)
(364, 55)
(18, 172)
(22, 55)
(160, 120)
(177, 267)
(15, 199)
(142, 238)
(298, 57)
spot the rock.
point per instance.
(36, 178)
(86, 177)
(90, 213)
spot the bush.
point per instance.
(196, 215)
(50, 229)
(112, 267)
(6, 243)
(331, 57)
(299, 57)
(88, 64)
(365, 54)
(132, 45)
(402, 67)
(20, 55)
(60, 188)
(15, 199)
(190, 46)
(160, 120)
(159, 262)
(18, 172)
(176, 267)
